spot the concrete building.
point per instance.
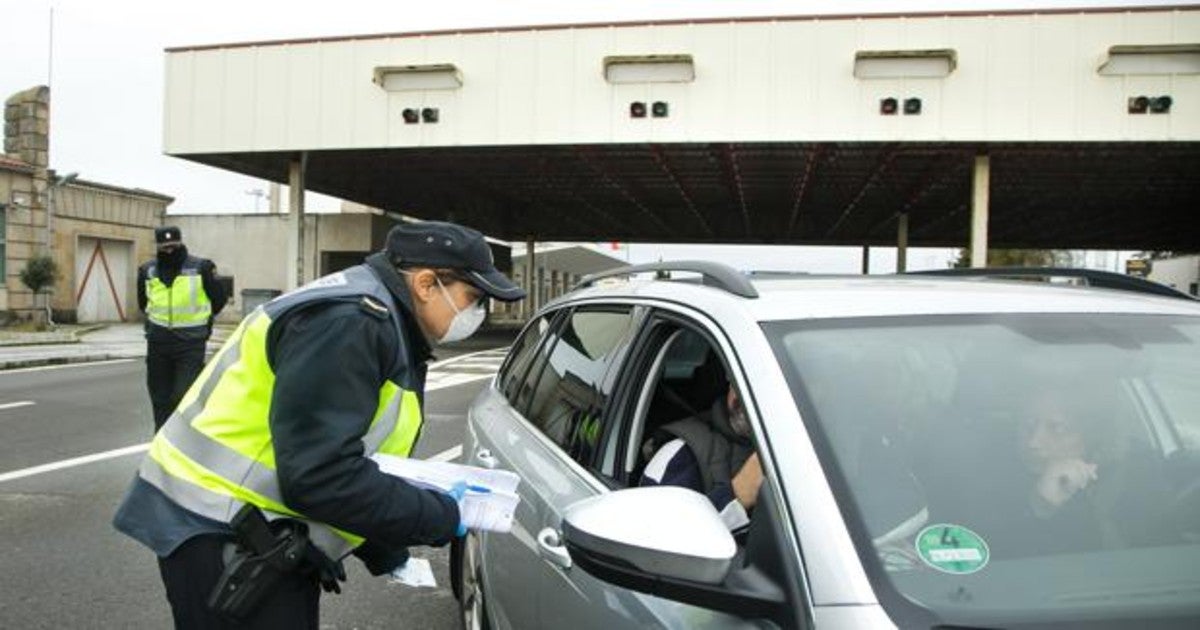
(95, 232)
(1027, 129)
(252, 248)
(1180, 272)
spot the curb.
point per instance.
(74, 338)
(49, 342)
(47, 361)
(83, 330)
(17, 364)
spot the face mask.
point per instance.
(465, 322)
(172, 258)
(738, 421)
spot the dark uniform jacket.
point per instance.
(329, 359)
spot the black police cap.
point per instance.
(167, 234)
(451, 246)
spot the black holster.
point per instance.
(263, 555)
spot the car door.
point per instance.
(566, 413)
(569, 596)
(527, 423)
(496, 435)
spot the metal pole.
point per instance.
(531, 293)
(50, 55)
(296, 205)
(546, 282)
(541, 286)
(866, 260)
(979, 210)
(902, 243)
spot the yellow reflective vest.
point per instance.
(215, 452)
(183, 304)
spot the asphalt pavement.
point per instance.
(74, 431)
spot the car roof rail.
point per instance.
(771, 274)
(1092, 277)
(712, 274)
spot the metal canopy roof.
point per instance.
(1128, 195)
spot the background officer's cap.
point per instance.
(167, 235)
(450, 246)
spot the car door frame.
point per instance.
(629, 398)
(546, 453)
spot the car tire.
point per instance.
(472, 604)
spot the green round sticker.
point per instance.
(952, 549)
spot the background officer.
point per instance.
(179, 296)
(287, 413)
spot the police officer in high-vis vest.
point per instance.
(285, 416)
(179, 296)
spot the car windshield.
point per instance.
(1008, 469)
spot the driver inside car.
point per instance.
(712, 453)
(1063, 476)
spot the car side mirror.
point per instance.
(668, 542)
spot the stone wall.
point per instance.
(20, 237)
(27, 126)
(23, 190)
(77, 209)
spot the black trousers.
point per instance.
(170, 370)
(190, 573)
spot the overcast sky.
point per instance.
(107, 77)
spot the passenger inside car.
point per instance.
(698, 434)
(1067, 470)
(712, 453)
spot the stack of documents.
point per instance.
(491, 499)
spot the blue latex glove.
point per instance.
(456, 492)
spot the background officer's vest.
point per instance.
(183, 306)
(215, 452)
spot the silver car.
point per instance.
(937, 452)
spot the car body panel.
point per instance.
(835, 584)
(511, 559)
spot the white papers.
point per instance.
(491, 499)
(415, 572)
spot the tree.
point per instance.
(1018, 258)
(39, 273)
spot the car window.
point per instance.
(1175, 388)
(522, 353)
(569, 400)
(976, 451)
(685, 381)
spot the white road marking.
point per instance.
(73, 462)
(447, 455)
(445, 381)
(60, 366)
(453, 380)
(438, 364)
(14, 405)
